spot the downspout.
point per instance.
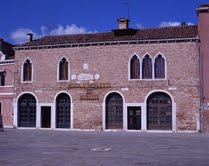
(201, 110)
(202, 90)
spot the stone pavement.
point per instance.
(73, 148)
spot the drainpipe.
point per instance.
(201, 110)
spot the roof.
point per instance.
(179, 32)
(203, 8)
(6, 48)
(204, 5)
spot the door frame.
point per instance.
(128, 115)
(42, 114)
(143, 115)
(52, 115)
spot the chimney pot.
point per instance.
(123, 23)
(30, 37)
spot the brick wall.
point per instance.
(6, 93)
(203, 28)
(111, 63)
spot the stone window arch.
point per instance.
(63, 69)
(147, 67)
(159, 67)
(135, 67)
(27, 70)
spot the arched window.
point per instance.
(63, 107)
(63, 69)
(114, 111)
(27, 111)
(135, 68)
(27, 70)
(159, 67)
(159, 111)
(147, 67)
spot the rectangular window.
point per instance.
(0, 107)
(2, 78)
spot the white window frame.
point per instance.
(58, 70)
(165, 66)
(129, 67)
(22, 71)
(152, 67)
(1, 107)
(4, 79)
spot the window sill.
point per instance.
(26, 82)
(147, 80)
(63, 80)
(7, 86)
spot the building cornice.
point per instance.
(107, 43)
(7, 62)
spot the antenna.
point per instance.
(128, 5)
(129, 8)
(49, 26)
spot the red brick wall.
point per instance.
(111, 62)
(6, 94)
(203, 18)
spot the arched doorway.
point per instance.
(27, 111)
(159, 111)
(63, 107)
(114, 111)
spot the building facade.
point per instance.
(125, 79)
(203, 16)
(6, 82)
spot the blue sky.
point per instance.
(57, 17)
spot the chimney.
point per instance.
(123, 23)
(30, 37)
(203, 25)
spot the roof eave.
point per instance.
(192, 39)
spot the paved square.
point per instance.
(73, 148)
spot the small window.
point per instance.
(159, 67)
(0, 108)
(27, 71)
(63, 69)
(147, 67)
(2, 78)
(135, 68)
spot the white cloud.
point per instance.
(43, 30)
(171, 24)
(20, 35)
(139, 26)
(69, 29)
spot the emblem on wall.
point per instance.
(85, 77)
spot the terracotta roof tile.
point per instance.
(141, 34)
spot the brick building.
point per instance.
(126, 79)
(203, 16)
(6, 82)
